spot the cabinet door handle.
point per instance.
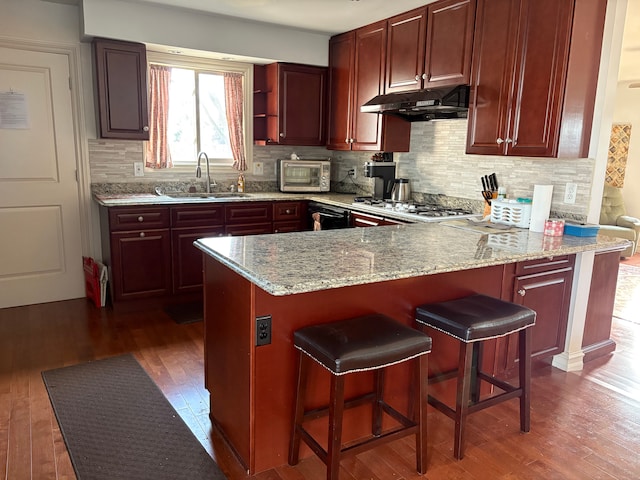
(499, 141)
(522, 292)
(145, 128)
(142, 235)
(141, 219)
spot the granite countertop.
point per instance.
(298, 262)
(126, 199)
(337, 199)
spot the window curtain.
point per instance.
(158, 154)
(234, 106)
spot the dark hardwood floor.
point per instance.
(583, 426)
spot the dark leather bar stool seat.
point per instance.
(473, 320)
(370, 342)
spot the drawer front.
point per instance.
(284, 227)
(546, 264)
(359, 219)
(283, 211)
(251, 229)
(197, 216)
(253, 212)
(138, 218)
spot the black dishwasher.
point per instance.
(329, 217)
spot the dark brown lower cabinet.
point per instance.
(596, 340)
(187, 259)
(140, 264)
(543, 285)
(150, 250)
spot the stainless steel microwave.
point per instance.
(304, 175)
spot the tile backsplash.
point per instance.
(436, 164)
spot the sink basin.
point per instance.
(206, 195)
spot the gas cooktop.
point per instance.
(425, 211)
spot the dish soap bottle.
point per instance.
(241, 183)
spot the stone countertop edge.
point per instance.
(342, 200)
(133, 199)
(300, 262)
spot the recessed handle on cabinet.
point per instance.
(145, 128)
(522, 292)
(141, 218)
(141, 234)
(499, 141)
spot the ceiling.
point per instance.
(326, 16)
(336, 16)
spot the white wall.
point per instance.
(157, 24)
(627, 110)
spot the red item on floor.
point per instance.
(95, 281)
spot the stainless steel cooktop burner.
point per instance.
(422, 209)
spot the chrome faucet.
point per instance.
(208, 182)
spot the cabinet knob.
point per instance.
(522, 292)
(424, 76)
(141, 219)
(142, 235)
(281, 135)
(351, 140)
(508, 140)
(145, 128)
(417, 77)
(276, 231)
(346, 140)
(499, 141)
(287, 211)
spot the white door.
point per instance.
(40, 242)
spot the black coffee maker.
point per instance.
(384, 174)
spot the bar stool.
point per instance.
(472, 320)
(370, 342)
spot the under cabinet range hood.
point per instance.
(422, 105)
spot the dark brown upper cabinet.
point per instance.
(430, 46)
(356, 75)
(290, 104)
(121, 80)
(533, 80)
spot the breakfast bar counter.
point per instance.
(287, 281)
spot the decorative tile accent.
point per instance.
(618, 154)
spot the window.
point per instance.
(196, 113)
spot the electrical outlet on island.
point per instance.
(258, 168)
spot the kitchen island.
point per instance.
(291, 280)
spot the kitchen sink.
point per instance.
(206, 195)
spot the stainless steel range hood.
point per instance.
(422, 105)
